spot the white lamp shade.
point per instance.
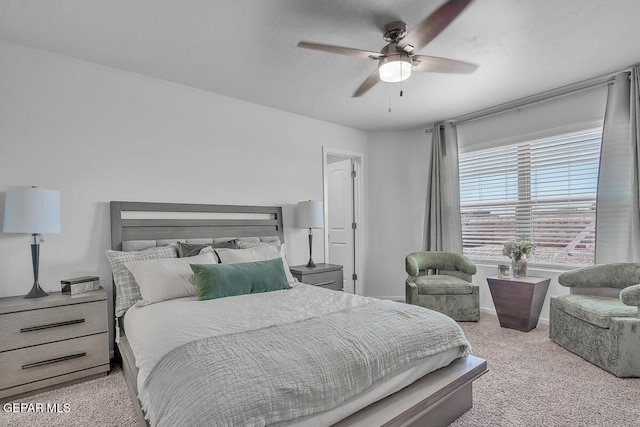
(31, 210)
(309, 214)
(394, 68)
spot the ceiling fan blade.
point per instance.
(359, 53)
(367, 84)
(433, 25)
(435, 64)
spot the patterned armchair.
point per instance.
(599, 320)
(441, 281)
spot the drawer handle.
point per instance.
(330, 282)
(52, 325)
(56, 360)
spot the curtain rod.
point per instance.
(535, 99)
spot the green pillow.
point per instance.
(225, 280)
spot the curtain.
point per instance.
(618, 206)
(443, 225)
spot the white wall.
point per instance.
(398, 165)
(398, 170)
(99, 134)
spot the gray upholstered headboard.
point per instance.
(139, 225)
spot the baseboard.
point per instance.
(541, 321)
(488, 311)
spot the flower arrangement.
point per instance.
(515, 249)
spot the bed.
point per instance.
(314, 329)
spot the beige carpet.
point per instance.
(101, 402)
(534, 382)
(531, 382)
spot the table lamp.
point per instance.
(310, 214)
(35, 211)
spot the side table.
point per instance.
(328, 276)
(518, 301)
(48, 341)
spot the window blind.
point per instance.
(543, 189)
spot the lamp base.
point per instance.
(36, 292)
(311, 263)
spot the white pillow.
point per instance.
(263, 252)
(165, 279)
(127, 290)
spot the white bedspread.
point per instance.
(155, 330)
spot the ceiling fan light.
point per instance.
(394, 68)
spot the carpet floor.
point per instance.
(531, 382)
(534, 382)
(102, 402)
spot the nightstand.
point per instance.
(45, 342)
(328, 276)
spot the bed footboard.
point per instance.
(435, 400)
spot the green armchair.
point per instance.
(600, 319)
(441, 281)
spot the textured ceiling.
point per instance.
(246, 49)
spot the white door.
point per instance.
(340, 219)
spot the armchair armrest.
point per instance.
(618, 275)
(631, 295)
(417, 261)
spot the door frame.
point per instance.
(358, 197)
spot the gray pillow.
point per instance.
(193, 249)
(246, 245)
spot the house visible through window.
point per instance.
(543, 189)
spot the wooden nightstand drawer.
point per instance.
(328, 276)
(33, 327)
(328, 280)
(31, 364)
(48, 341)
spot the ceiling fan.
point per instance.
(396, 60)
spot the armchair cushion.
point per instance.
(631, 295)
(594, 309)
(425, 260)
(435, 284)
(618, 275)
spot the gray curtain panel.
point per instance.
(442, 225)
(618, 207)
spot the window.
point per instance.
(543, 189)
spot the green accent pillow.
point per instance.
(225, 280)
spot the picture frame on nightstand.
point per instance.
(79, 285)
